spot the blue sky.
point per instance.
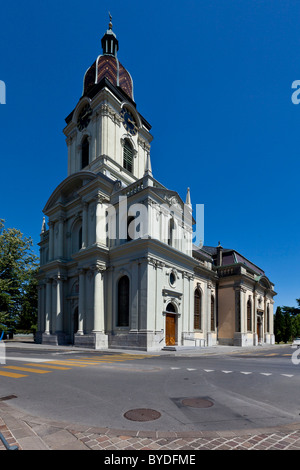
(214, 80)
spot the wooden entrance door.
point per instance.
(259, 327)
(170, 329)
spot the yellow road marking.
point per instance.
(66, 364)
(84, 361)
(26, 369)
(114, 358)
(12, 374)
(50, 367)
(273, 354)
(80, 362)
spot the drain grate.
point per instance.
(142, 414)
(197, 402)
(8, 397)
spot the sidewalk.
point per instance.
(27, 342)
(34, 433)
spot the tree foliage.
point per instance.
(18, 284)
(287, 323)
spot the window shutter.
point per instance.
(128, 156)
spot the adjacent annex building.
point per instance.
(117, 264)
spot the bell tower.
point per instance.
(105, 133)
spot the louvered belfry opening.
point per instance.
(128, 156)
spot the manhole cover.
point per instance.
(142, 414)
(197, 402)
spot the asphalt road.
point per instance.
(240, 390)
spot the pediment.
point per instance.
(263, 281)
(68, 189)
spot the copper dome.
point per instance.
(108, 66)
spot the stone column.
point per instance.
(51, 241)
(59, 303)
(160, 319)
(254, 327)
(265, 320)
(104, 143)
(110, 298)
(98, 300)
(188, 309)
(98, 332)
(208, 316)
(69, 142)
(164, 226)
(100, 220)
(242, 309)
(239, 336)
(48, 306)
(60, 237)
(272, 337)
(143, 293)
(135, 296)
(81, 306)
(85, 225)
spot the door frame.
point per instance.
(259, 325)
(174, 320)
(172, 313)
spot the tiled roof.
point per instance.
(230, 256)
(109, 67)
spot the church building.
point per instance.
(118, 268)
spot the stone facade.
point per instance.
(118, 267)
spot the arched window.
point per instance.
(171, 228)
(85, 152)
(197, 310)
(128, 156)
(249, 315)
(80, 239)
(123, 302)
(171, 308)
(212, 314)
(76, 236)
(268, 319)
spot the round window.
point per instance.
(172, 279)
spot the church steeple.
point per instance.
(105, 132)
(109, 42)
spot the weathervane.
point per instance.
(110, 23)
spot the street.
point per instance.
(186, 392)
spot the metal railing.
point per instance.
(6, 444)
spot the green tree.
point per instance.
(278, 325)
(296, 325)
(27, 318)
(18, 265)
(288, 331)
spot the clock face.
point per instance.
(84, 117)
(129, 121)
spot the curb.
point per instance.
(34, 433)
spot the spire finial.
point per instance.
(148, 168)
(110, 21)
(188, 197)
